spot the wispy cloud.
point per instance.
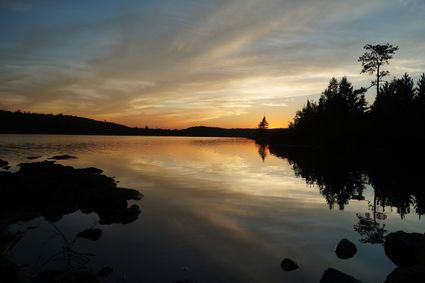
(182, 63)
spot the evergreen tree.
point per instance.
(263, 125)
(395, 98)
(373, 60)
(336, 118)
(329, 96)
(420, 91)
(355, 100)
(306, 117)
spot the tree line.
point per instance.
(343, 116)
(19, 122)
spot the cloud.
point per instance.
(186, 62)
(275, 104)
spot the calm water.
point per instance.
(213, 211)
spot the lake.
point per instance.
(221, 210)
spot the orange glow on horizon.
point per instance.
(228, 123)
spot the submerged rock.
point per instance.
(91, 234)
(411, 274)
(288, 265)
(345, 249)
(335, 276)
(405, 249)
(63, 157)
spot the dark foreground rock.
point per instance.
(345, 249)
(335, 276)
(288, 265)
(411, 274)
(405, 249)
(53, 190)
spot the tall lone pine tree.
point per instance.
(374, 58)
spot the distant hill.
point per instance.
(35, 123)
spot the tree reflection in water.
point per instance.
(342, 176)
(263, 151)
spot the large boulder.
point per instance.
(405, 249)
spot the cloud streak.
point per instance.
(182, 63)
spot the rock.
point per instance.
(43, 167)
(335, 276)
(405, 249)
(63, 157)
(50, 190)
(91, 234)
(105, 271)
(345, 249)
(288, 265)
(411, 274)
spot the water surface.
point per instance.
(214, 210)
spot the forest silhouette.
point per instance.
(343, 118)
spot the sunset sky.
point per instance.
(182, 63)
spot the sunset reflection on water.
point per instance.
(213, 211)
